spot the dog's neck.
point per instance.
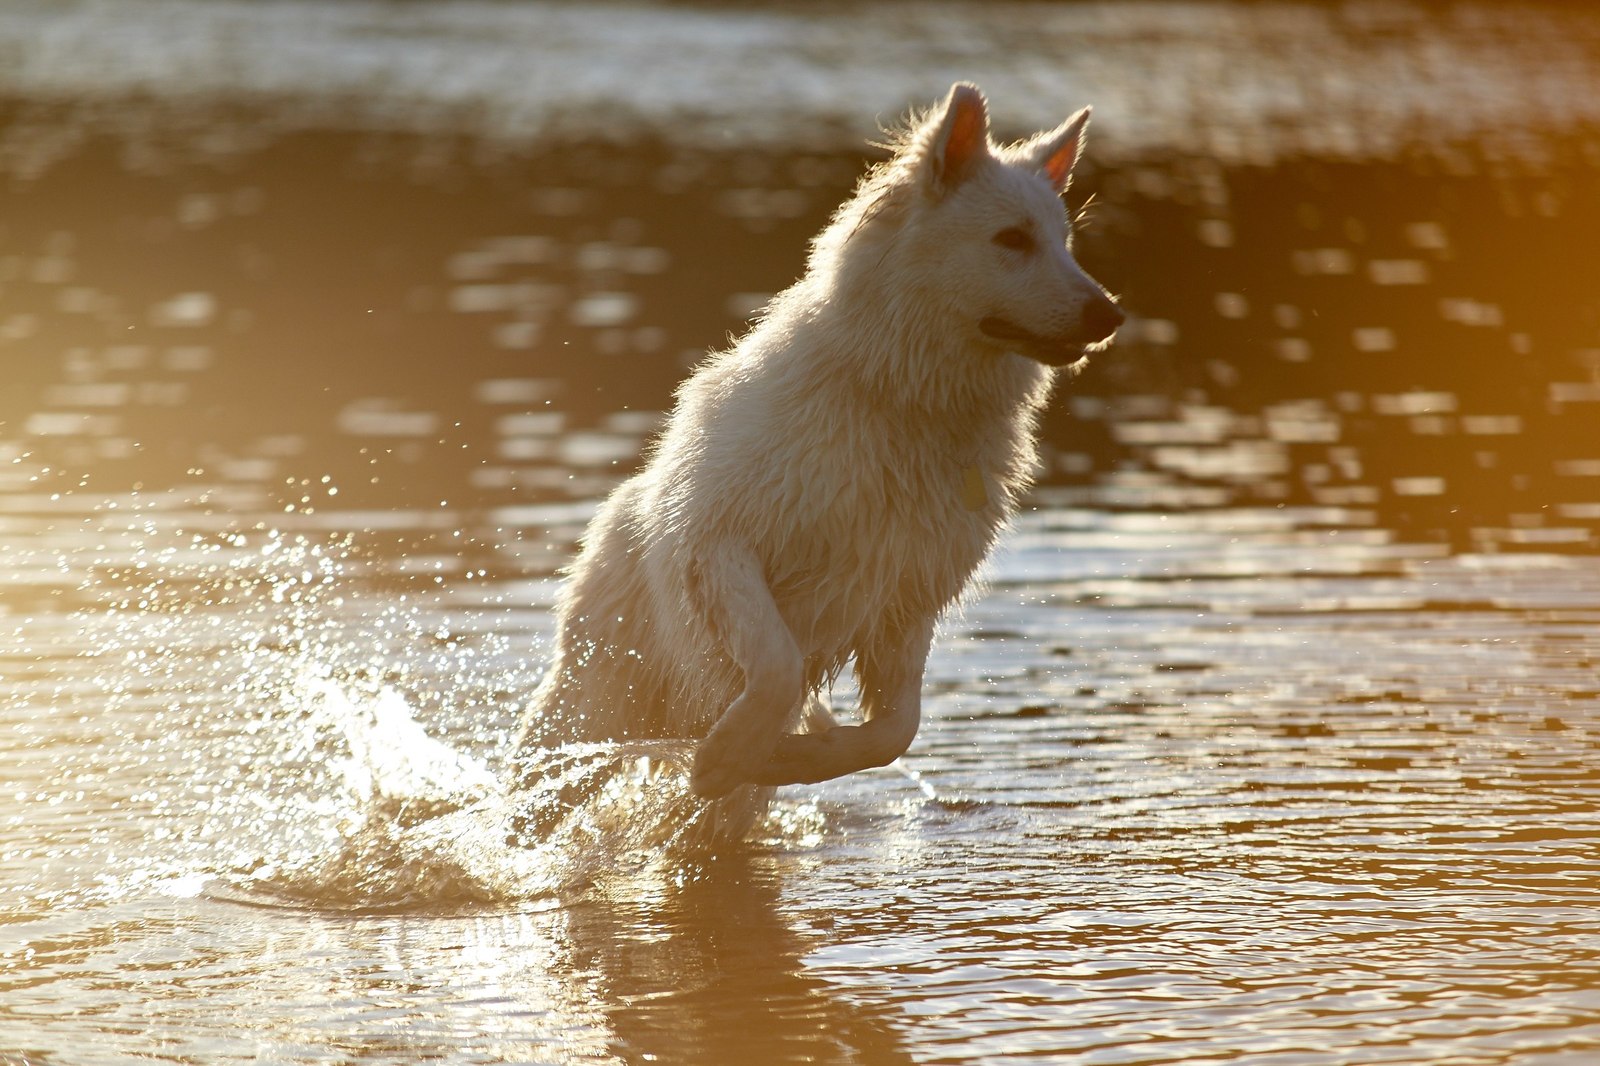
(906, 358)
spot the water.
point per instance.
(1273, 737)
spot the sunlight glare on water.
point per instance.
(1272, 736)
(346, 801)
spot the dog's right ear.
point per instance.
(1055, 153)
(957, 141)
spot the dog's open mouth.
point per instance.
(1053, 351)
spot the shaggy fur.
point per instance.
(825, 490)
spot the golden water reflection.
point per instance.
(1273, 735)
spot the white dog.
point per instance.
(825, 490)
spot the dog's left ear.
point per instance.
(956, 142)
(1055, 153)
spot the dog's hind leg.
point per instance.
(731, 589)
(891, 703)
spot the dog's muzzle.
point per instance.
(1100, 320)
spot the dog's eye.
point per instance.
(1014, 238)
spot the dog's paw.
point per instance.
(718, 768)
(730, 755)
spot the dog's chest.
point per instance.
(883, 536)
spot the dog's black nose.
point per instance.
(1101, 319)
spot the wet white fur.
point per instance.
(807, 504)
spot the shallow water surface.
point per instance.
(1273, 736)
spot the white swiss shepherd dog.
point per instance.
(825, 490)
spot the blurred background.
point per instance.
(250, 241)
(325, 326)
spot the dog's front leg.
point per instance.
(732, 590)
(891, 703)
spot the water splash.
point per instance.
(394, 763)
(428, 828)
(341, 752)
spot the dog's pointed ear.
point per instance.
(1055, 153)
(957, 140)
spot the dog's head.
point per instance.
(992, 236)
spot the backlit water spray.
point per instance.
(319, 784)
